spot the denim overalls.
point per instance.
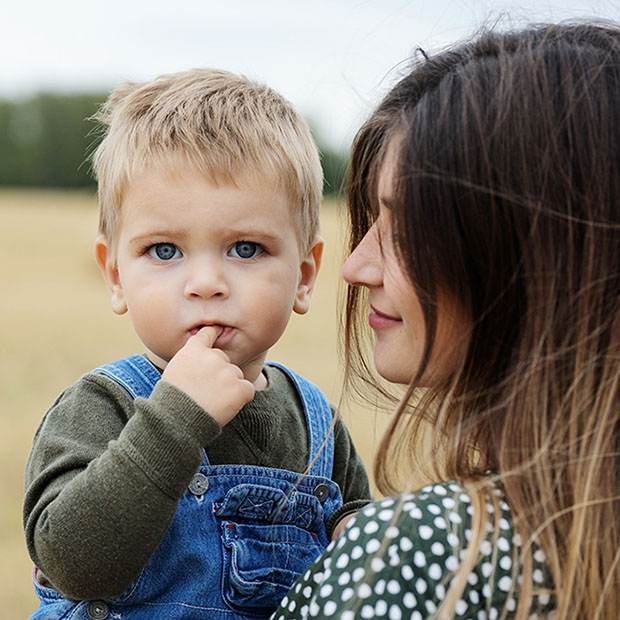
(240, 535)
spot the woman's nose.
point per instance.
(205, 280)
(364, 265)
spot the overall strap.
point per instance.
(138, 376)
(319, 422)
(135, 373)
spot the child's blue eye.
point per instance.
(164, 251)
(246, 249)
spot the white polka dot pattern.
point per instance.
(396, 558)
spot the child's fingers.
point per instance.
(208, 335)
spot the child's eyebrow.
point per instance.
(241, 233)
(250, 232)
(153, 234)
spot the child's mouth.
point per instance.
(226, 329)
(194, 330)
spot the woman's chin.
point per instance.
(393, 372)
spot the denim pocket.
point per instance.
(53, 605)
(54, 608)
(261, 562)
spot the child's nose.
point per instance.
(205, 280)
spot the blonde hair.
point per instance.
(230, 128)
(507, 196)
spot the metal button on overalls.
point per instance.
(198, 484)
(98, 610)
(321, 492)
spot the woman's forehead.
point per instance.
(387, 173)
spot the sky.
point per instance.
(333, 59)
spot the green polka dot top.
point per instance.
(400, 567)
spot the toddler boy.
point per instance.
(167, 485)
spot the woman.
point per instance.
(484, 203)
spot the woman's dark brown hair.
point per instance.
(507, 195)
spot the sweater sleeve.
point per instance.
(103, 480)
(350, 474)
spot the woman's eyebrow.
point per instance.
(387, 202)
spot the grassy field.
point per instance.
(56, 323)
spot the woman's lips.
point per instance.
(379, 320)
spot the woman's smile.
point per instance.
(380, 320)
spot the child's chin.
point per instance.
(160, 361)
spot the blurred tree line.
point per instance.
(45, 141)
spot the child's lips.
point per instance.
(226, 330)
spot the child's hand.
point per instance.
(206, 375)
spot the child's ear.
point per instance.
(109, 270)
(308, 271)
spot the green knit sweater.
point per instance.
(106, 472)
